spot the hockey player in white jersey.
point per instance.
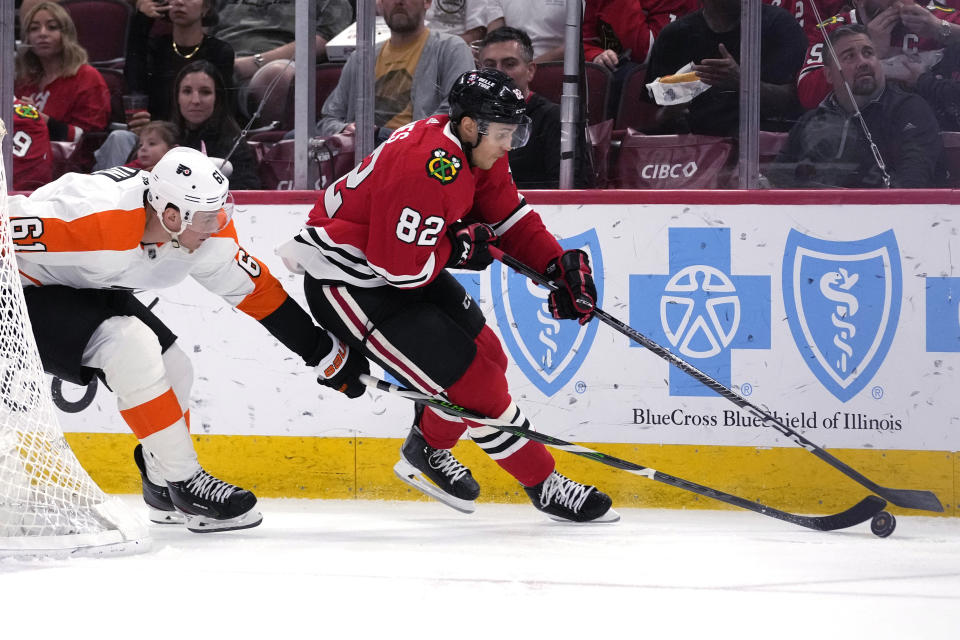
(85, 242)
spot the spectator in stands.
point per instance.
(52, 75)
(156, 138)
(535, 165)
(615, 31)
(710, 38)
(543, 20)
(619, 34)
(464, 18)
(829, 148)
(206, 123)
(415, 69)
(896, 27)
(939, 85)
(261, 31)
(153, 63)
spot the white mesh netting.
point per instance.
(48, 503)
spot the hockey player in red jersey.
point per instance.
(85, 242)
(375, 254)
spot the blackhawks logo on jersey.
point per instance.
(26, 111)
(443, 168)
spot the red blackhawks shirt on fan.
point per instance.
(31, 149)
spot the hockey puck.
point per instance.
(883, 524)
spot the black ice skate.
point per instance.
(160, 507)
(449, 481)
(567, 501)
(210, 504)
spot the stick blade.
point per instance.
(912, 499)
(860, 512)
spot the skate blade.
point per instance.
(413, 477)
(609, 517)
(158, 516)
(203, 524)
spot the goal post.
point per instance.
(49, 505)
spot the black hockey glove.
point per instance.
(470, 242)
(577, 295)
(341, 369)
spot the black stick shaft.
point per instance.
(907, 498)
(860, 512)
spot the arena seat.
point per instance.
(118, 86)
(770, 144)
(102, 29)
(548, 82)
(334, 155)
(279, 105)
(634, 112)
(328, 75)
(673, 161)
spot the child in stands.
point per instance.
(156, 138)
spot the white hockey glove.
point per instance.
(341, 369)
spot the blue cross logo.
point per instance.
(700, 311)
(943, 315)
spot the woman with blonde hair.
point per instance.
(52, 75)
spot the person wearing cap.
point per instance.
(84, 243)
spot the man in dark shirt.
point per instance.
(829, 147)
(710, 38)
(537, 164)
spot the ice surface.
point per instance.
(362, 569)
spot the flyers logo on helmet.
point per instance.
(184, 169)
(443, 168)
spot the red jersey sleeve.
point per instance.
(521, 231)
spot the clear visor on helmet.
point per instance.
(211, 221)
(504, 133)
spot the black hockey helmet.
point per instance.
(489, 95)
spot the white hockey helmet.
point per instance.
(188, 180)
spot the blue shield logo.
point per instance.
(548, 351)
(843, 303)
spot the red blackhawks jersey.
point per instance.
(812, 86)
(80, 102)
(385, 222)
(32, 156)
(84, 231)
(803, 11)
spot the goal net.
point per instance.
(48, 504)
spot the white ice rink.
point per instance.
(361, 569)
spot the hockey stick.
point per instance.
(907, 498)
(860, 512)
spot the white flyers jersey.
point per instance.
(85, 231)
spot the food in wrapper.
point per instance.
(677, 78)
(678, 88)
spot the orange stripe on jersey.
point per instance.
(153, 415)
(114, 230)
(267, 295)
